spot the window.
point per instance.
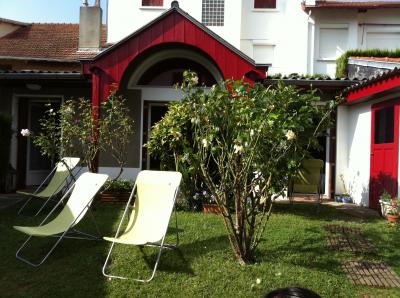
(152, 2)
(383, 40)
(213, 12)
(263, 53)
(264, 3)
(384, 126)
(333, 42)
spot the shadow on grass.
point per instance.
(326, 213)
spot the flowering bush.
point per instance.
(74, 131)
(244, 142)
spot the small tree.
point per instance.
(74, 131)
(245, 142)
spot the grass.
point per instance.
(293, 252)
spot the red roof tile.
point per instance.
(45, 41)
(378, 59)
(354, 4)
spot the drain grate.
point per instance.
(355, 245)
(371, 274)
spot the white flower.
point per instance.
(238, 149)
(258, 281)
(252, 132)
(204, 142)
(25, 132)
(51, 110)
(290, 135)
(195, 80)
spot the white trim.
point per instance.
(152, 8)
(172, 53)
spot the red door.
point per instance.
(384, 151)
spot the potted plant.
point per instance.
(385, 202)
(117, 190)
(392, 214)
(208, 202)
(344, 197)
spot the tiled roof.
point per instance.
(377, 59)
(364, 83)
(37, 74)
(3, 20)
(353, 4)
(45, 42)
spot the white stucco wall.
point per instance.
(284, 29)
(126, 16)
(286, 37)
(374, 28)
(353, 151)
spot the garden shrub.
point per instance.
(243, 142)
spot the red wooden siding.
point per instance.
(369, 90)
(173, 28)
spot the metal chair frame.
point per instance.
(161, 245)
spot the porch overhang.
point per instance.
(378, 87)
(174, 27)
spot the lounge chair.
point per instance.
(58, 181)
(308, 180)
(150, 216)
(82, 195)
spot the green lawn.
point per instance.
(293, 253)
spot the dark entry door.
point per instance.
(384, 151)
(153, 112)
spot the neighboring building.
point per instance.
(291, 36)
(39, 63)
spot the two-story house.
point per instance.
(150, 43)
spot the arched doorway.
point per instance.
(151, 85)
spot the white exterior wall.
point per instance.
(375, 28)
(127, 16)
(283, 31)
(353, 149)
(286, 37)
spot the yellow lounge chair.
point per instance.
(148, 222)
(62, 171)
(308, 180)
(82, 195)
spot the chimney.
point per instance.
(90, 25)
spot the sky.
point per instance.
(44, 11)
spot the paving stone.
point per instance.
(345, 230)
(371, 274)
(350, 244)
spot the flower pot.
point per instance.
(347, 199)
(384, 207)
(392, 218)
(115, 196)
(211, 208)
(338, 198)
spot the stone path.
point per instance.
(360, 272)
(371, 274)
